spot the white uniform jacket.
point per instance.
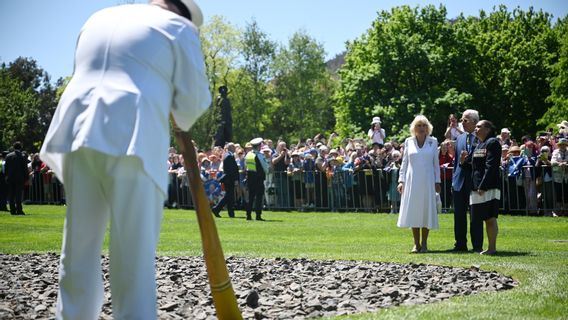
(134, 64)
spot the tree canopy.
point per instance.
(417, 61)
(510, 65)
(27, 103)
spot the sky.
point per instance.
(46, 30)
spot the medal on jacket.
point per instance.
(469, 142)
(480, 153)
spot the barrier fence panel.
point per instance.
(43, 188)
(533, 191)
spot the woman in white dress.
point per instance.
(419, 180)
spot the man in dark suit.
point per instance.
(230, 178)
(461, 186)
(16, 171)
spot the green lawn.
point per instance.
(530, 252)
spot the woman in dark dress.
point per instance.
(485, 194)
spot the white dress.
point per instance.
(420, 171)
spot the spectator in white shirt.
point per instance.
(376, 133)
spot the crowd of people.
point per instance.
(334, 174)
(310, 174)
(354, 174)
(108, 137)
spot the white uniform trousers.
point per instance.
(100, 187)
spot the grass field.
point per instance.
(533, 250)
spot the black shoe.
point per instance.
(259, 219)
(459, 249)
(249, 218)
(5, 209)
(477, 250)
(216, 214)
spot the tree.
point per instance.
(409, 62)
(416, 61)
(515, 52)
(303, 88)
(27, 103)
(251, 92)
(559, 84)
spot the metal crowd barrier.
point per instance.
(374, 190)
(535, 191)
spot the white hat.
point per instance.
(563, 125)
(376, 120)
(196, 14)
(266, 148)
(256, 141)
(505, 130)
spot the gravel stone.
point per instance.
(277, 288)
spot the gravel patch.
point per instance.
(265, 288)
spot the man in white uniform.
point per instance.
(108, 143)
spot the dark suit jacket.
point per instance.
(230, 168)
(462, 172)
(485, 165)
(16, 167)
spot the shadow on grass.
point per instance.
(498, 254)
(253, 219)
(269, 220)
(510, 254)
